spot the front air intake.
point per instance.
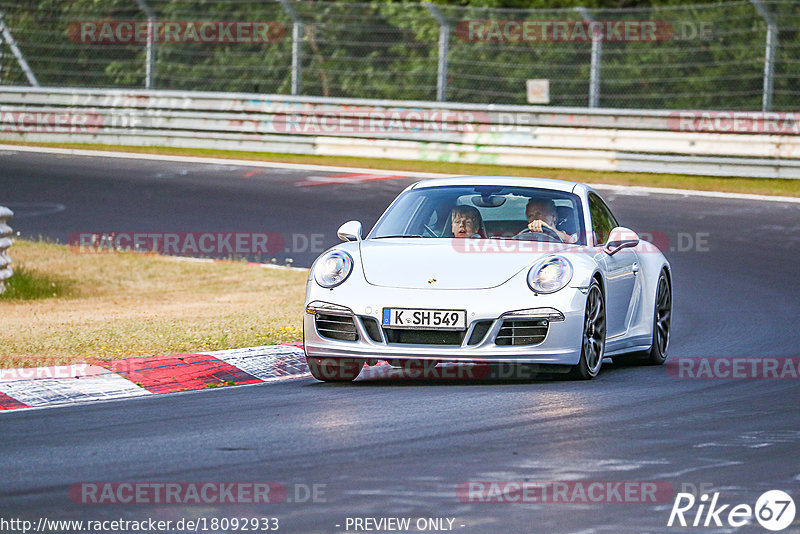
(372, 327)
(479, 332)
(522, 332)
(339, 327)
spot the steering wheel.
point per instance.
(527, 235)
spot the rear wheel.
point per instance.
(662, 319)
(594, 335)
(334, 369)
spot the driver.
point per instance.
(466, 221)
(541, 213)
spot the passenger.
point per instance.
(541, 213)
(466, 222)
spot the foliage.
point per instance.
(385, 49)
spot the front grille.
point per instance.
(522, 332)
(424, 337)
(336, 327)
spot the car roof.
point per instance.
(512, 181)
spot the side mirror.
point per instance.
(350, 231)
(620, 238)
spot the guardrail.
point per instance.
(535, 136)
(5, 241)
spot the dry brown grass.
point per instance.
(120, 305)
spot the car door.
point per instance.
(621, 269)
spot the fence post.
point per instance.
(9, 39)
(5, 241)
(597, 55)
(150, 65)
(769, 53)
(297, 42)
(444, 45)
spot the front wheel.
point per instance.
(594, 335)
(334, 369)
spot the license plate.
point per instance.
(425, 319)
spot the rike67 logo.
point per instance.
(774, 510)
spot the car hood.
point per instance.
(413, 263)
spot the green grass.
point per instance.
(29, 284)
(760, 186)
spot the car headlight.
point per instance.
(333, 268)
(550, 275)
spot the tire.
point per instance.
(662, 317)
(334, 369)
(593, 340)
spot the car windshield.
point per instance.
(485, 211)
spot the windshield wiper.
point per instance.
(398, 235)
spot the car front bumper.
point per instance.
(561, 346)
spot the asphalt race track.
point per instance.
(401, 448)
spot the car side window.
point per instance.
(603, 220)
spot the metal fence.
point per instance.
(5, 241)
(739, 55)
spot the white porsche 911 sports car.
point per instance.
(494, 270)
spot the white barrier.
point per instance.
(5, 242)
(536, 136)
